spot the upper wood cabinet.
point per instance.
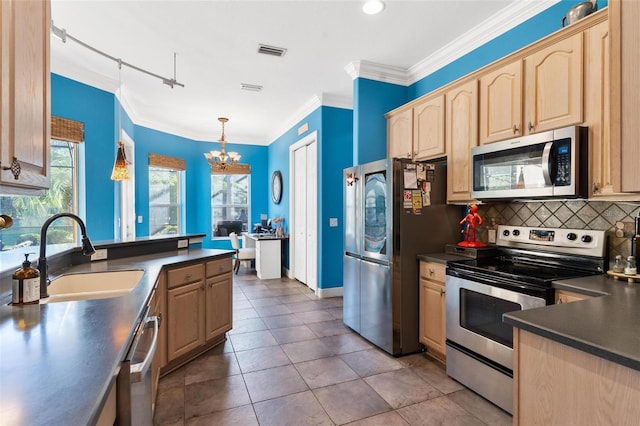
(625, 89)
(461, 136)
(554, 86)
(501, 103)
(25, 93)
(428, 128)
(604, 156)
(400, 134)
(417, 132)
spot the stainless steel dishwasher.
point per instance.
(135, 406)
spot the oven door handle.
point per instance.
(494, 280)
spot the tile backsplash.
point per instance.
(616, 218)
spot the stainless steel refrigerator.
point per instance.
(393, 210)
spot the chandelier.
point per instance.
(218, 160)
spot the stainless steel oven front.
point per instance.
(474, 317)
(479, 345)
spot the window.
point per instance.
(29, 213)
(165, 201)
(229, 203)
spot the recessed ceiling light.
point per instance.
(373, 7)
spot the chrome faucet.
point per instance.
(87, 248)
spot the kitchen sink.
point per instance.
(92, 285)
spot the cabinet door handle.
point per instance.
(442, 292)
(531, 126)
(595, 188)
(408, 154)
(431, 271)
(515, 129)
(202, 287)
(14, 167)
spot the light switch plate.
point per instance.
(333, 222)
(139, 219)
(183, 243)
(99, 255)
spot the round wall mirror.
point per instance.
(276, 187)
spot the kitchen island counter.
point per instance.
(605, 325)
(58, 360)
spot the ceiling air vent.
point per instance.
(271, 50)
(251, 87)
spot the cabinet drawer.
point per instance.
(186, 275)
(433, 271)
(217, 267)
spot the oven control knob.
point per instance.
(516, 232)
(572, 236)
(586, 238)
(506, 232)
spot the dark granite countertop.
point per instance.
(442, 258)
(57, 360)
(607, 325)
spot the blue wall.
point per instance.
(95, 108)
(371, 100)
(98, 110)
(335, 138)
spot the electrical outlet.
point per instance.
(333, 222)
(139, 219)
(183, 243)
(99, 255)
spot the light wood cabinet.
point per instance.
(604, 155)
(433, 308)
(25, 93)
(564, 296)
(501, 103)
(554, 86)
(199, 308)
(625, 86)
(185, 305)
(428, 128)
(417, 132)
(461, 136)
(400, 134)
(579, 388)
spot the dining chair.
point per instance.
(242, 254)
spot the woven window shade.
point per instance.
(232, 169)
(63, 129)
(157, 160)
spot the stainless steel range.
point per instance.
(479, 292)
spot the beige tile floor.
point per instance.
(289, 360)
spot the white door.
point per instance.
(312, 216)
(300, 213)
(304, 211)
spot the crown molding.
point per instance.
(508, 18)
(315, 102)
(377, 72)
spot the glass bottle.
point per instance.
(630, 268)
(618, 264)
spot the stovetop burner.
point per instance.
(538, 274)
(539, 256)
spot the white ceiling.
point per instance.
(216, 43)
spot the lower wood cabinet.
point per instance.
(199, 309)
(433, 308)
(555, 384)
(563, 296)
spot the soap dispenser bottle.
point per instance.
(26, 284)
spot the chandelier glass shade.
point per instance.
(222, 161)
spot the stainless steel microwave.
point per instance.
(542, 165)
